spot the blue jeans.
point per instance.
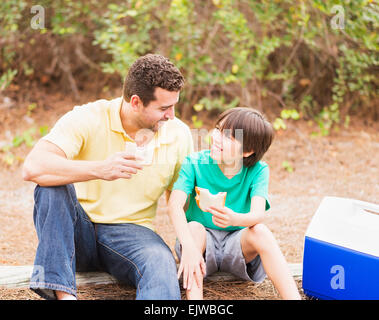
(70, 242)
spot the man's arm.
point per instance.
(47, 165)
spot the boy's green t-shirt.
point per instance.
(199, 169)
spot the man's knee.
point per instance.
(159, 255)
(158, 275)
(54, 201)
(54, 191)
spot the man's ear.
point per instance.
(135, 102)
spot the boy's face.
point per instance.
(225, 148)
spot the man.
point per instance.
(95, 200)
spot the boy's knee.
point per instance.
(196, 227)
(198, 233)
(258, 234)
(259, 229)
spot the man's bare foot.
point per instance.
(61, 295)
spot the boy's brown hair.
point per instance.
(257, 132)
(149, 72)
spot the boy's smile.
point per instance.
(225, 148)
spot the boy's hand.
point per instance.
(192, 265)
(223, 216)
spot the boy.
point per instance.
(232, 237)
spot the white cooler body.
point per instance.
(341, 251)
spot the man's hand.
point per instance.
(223, 216)
(47, 165)
(119, 165)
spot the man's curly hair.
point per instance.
(149, 72)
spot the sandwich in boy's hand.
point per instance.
(205, 199)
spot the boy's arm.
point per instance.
(176, 202)
(225, 217)
(192, 262)
(256, 214)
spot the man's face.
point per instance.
(158, 111)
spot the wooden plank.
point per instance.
(19, 276)
(15, 276)
(296, 270)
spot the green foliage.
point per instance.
(287, 166)
(254, 53)
(285, 114)
(11, 14)
(290, 114)
(6, 79)
(216, 103)
(43, 131)
(27, 138)
(196, 123)
(31, 107)
(279, 124)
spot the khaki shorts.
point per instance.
(223, 253)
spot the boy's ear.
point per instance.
(247, 154)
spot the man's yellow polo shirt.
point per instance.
(94, 132)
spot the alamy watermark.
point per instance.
(38, 20)
(202, 139)
(338, 280)
(338, 20)
(38, 275)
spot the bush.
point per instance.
(263, 54)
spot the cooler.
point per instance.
(341, 251)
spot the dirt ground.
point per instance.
(343, 164)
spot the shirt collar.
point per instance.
(115, 119)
